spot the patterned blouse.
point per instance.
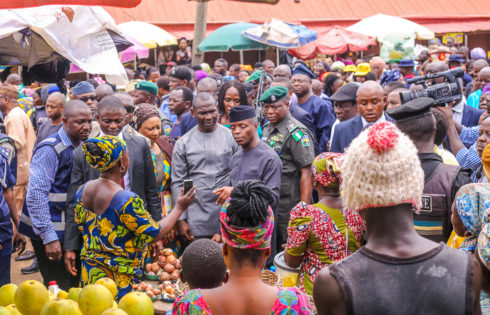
(115, 242)
(322, 235)
(289, 301)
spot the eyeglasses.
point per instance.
(129, 109)
(86, 98)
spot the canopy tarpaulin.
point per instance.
(80, 34)
(17, 4)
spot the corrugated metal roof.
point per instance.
(178, 16)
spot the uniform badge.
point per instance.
(273, 98)
(305, 141)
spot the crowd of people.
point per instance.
(329, 164)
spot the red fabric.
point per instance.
(332, 41)
(14, 4)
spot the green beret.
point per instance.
(274, 94)
(254, 78)
(147, 86)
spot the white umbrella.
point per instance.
(380, 25)
(147, 34)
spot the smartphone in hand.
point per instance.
(188, 183)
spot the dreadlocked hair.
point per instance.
(249, 202)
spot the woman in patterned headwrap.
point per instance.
(247, 223)
(469, 211)
(146, 120)
(323, 233)
(115, 226)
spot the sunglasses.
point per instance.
(86, 98)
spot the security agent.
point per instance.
(441, 181)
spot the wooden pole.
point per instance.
(199, 31)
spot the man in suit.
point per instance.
(462, 113)
(370, 103)
(139, 179)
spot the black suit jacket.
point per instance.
(142, 178)
(346, 131)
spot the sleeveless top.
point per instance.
(289, 301)
(436, 282)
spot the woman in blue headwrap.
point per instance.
(469, 212)
(115, 226)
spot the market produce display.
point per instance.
(33, 298)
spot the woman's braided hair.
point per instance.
(249, 202)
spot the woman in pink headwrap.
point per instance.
(247, 223)
(323, 233)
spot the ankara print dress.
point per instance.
(115, 242)
(322, 235)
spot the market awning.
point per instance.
(178, 16)
(16, 4)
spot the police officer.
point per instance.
(442, 181)
(293, 142)
(43, 214)
(8, 211)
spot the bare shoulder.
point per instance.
(328, 295)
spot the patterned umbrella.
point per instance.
(281, 34)
(334, 40)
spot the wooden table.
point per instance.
(161, 308)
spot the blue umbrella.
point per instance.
(281, 34)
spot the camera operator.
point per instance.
(442, 181)
(462, 113)
(461, 137)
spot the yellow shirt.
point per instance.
(447, 157)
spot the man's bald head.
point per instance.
(203, 98)
(478, 65)
(57, 97)
(370, 87)
(436, 67)
(282, 71)
(208, 85)
(14, 79)
(371, 101)
(103, 90)
(74, 107)
(125, 98)
(316, 87)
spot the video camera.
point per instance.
(442, 93)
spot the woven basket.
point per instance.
(268, 277)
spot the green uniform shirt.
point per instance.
(294, 144)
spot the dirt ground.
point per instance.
(16, 276)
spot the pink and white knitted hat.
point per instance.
(381, 168)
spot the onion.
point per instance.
(155, 267)
(174, 275)
(148, 267)
(169, 268)
(171, 259)
(164, 276)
